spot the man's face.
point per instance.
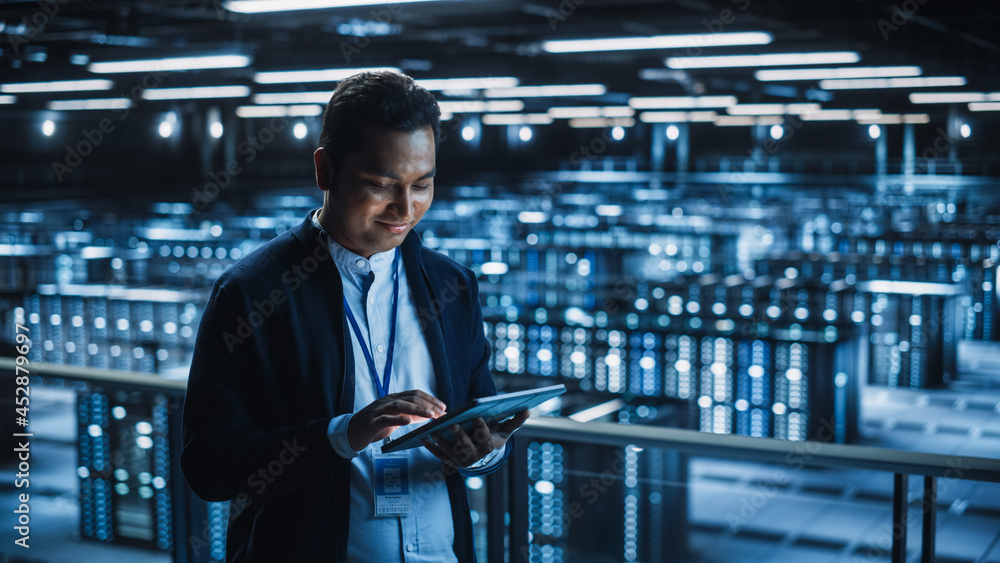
(380, 191)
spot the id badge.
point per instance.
(392, 484)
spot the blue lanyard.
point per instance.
(381, 388)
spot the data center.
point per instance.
(757, 241)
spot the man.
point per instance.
(333, 337)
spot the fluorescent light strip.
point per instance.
(175, 63)
(828, 115)
(894, 119)
(735, 120)
(682, 102)
(775, 59)
(597, 411)
(516, 119)
(590, 111)
(318, 75)
(677, 116)
(483, 83)
(836, 73)
(8, 99)
(279, 111)
(196, 93)
(657, 42)
(547, 91)
(57, 86)
(984, 106)
(590, 122)
(865, 83)
(772, 109)
(293, 98)
(478, 106)
(953, 97)
(100, 103)
(264, 6)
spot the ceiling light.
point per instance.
(953, 97)
(682, 102)
(479, 106)
(300, 130)
(828, 115)
(216, 129)
(977, 106)
(917, 82)
(657, 42)
(57, 86)
(676, 116)
(600, 122)
(735, 120)
(166, 129)
(835, 73)
(874, 131)
(775, 59)
(196, 93)
(590, 111)
(481, 83)
(293, 98)
(279, 111)
(48, 127)
(547, 91)
(319, 75)
(469, 132)
(893, 118)
(170, 64)
(516, 119)
(262, 6)
(8, 99)
(618, 132)
(524, 133)
(673, 132)
(965, 130)
(773, 109)
(94, 104)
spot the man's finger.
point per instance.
(507, 428)
(437, 452)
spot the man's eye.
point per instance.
(377, 185)
(424, 187)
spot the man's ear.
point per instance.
(324, 169)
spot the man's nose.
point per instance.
(402, 202)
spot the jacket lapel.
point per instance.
(425, 302)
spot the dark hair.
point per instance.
(384, 98)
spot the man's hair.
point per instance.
(385, 98)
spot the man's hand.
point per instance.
(466, 450)
(382, 417)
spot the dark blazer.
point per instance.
(273, 364)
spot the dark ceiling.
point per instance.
(502, 37)
(49, 39)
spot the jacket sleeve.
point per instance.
(481, 383)
(232, 446)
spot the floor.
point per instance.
(740, 511)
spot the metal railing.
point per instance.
(508, 489)
(512, 483)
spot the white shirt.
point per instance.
(426, 534)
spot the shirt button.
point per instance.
(409, 547)
(371, 300)
(380, 348)
(361, 263)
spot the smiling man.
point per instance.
(358, 333)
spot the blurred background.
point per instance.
(771, 220)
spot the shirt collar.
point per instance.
(379, 262)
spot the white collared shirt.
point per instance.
(426, 534)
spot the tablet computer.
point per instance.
(492, 409)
